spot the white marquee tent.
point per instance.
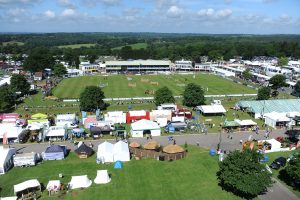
(12, 132)
(102, 177)
(115, 117)
(273, 118)
(121, 151)
(105, 152)
(6, 158)
(138, 128)
(211, 109)
(80, 182)
(34, 183)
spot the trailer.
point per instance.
(25, 159)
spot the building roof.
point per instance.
(138, 62)
(54, 149)
(144, 124)
(268, 106)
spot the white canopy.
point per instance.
(121, 151)
(102, 177)
(53, 185)
(137, 113)
(80, 182)
(246, 122)
(105, 152)
(56, 131)
(144, 125)
(9, 198)
(11, 131)
(211, 109)
(278, 117)
(26, 185)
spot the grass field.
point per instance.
(193, 177)
(133, 46)
(118, 85)
(76, 46)
(12, 42)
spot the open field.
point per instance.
(133, 46)
(12, 42)
(120, 86)
(193, 177)
(77, 46)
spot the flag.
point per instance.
(98, 113)
(83, 113)
(5, 138)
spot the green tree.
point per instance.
(297, 87)
(247, 74)
(163, 95)
(19, 83)
(193, 95)
(292, 170)
(7, 98)
(282, 61)
(263, 93)
(59, 70)
(215, 55)
(92, 98)
(242, 174)
(39, 59)
(277, 81)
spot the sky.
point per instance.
(163, 16)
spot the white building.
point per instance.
(184, 65)
(138, 65)
(73, 73)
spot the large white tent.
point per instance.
(121, 151)
(11, 132)
(115, 117)
(80, 182)
(6, 158)
(34, 183)
(102, 177)
(211, 109)
(56, 132)
(138, 128)
(105, 152)
(272, 119)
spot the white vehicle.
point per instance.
(25, 159)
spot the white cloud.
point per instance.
(131, 11)
(49, 14)
(91, 3)
(68, 12)
(175, 11)
(16, 12)
(206, 12)
(66, 3)
(224, 13)
(17, 2)
(214, 14)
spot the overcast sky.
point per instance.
(179, 16)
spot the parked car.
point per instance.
(278, 162)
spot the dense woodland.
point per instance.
(159, 46)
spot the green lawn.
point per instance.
(77, 46)
(133, 46)
(118, 85)
(13, 42)
(193, 177)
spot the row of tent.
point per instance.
(76, 182)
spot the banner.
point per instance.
(83, 113)
(5, 138)
(98, 113)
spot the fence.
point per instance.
(156, 154)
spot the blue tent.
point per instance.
(118, 165)
(55, 152)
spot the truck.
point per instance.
(175, 126)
